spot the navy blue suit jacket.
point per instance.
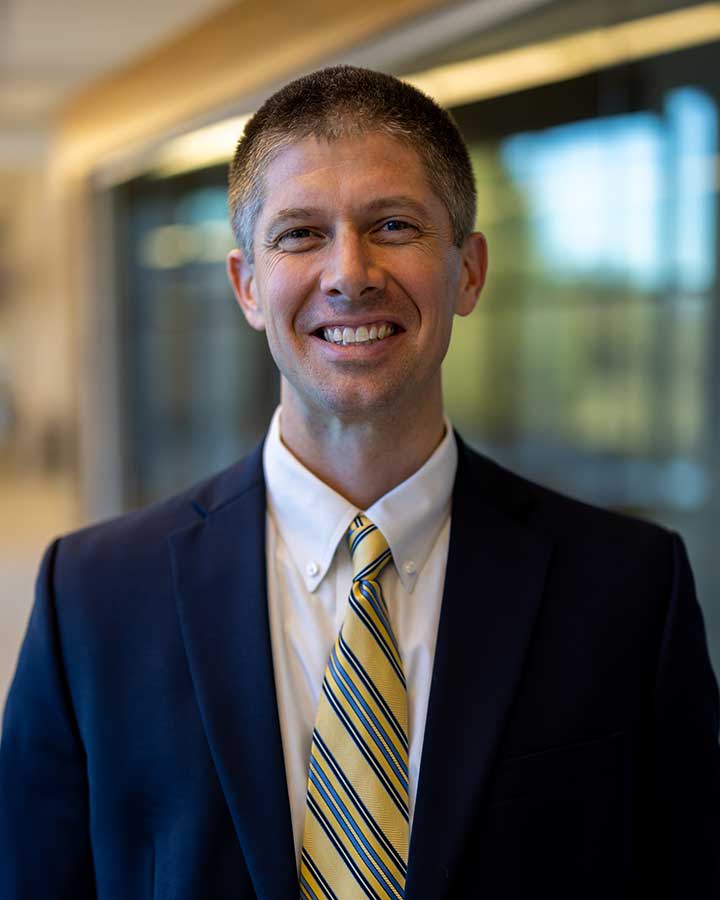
(571, 746)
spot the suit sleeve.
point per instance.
(44, 831)
(687, 763)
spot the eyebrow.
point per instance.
(396, 200)
(291, 214)
(295, 213)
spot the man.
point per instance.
(488, 690)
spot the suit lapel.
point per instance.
(219, 569)
(493, 587)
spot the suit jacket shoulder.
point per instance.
(588, 530)
(137, 540)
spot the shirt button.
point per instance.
(312, 568)
(409, 567)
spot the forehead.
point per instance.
(315, 172)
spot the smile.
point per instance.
(363, 334)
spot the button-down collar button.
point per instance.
(312, 569)
(409, 567)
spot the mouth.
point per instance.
(346, 335)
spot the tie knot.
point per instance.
(368, 548)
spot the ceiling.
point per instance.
(50, 48)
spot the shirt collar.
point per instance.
(412, 514)
(312, 518)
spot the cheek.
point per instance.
(437, 307)
(432, 279)
(285, 292)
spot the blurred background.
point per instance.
(591, 365)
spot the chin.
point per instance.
(358, 405)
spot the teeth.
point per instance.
(361, 335)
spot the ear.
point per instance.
(242, 278)
(474, 269)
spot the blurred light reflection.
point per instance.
(627, 198)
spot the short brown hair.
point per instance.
(345, 101)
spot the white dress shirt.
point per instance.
(309, 572)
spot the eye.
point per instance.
(297, 239)
(397, 230)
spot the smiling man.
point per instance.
(363, 662)
(354, 273)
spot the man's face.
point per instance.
(352, 243)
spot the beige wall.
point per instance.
(34, 336)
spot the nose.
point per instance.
(351, 270)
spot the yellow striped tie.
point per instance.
(355, 842)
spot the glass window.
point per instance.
(591, 361)
(198, 386)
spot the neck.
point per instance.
(360, 459)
